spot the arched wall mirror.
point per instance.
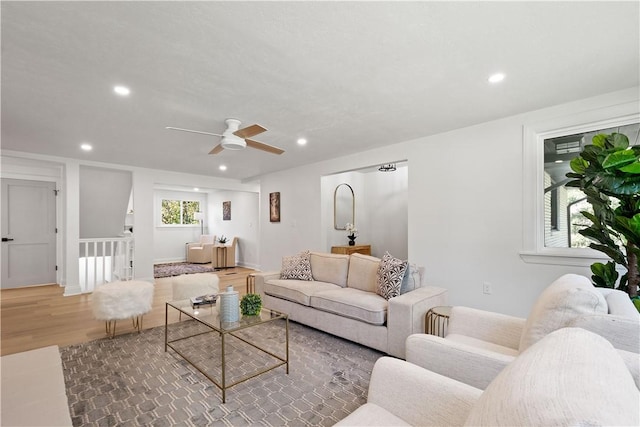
(344, 207)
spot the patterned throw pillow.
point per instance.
(390, 274)
(296, 267)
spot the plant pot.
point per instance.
(352, 241)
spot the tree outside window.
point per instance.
(179, 212)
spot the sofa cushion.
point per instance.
(476, 344)
(560, 303)
(363, 271)
(390, 273)
(619, 303)
(570, 377)
(331, 268)
(365, 306)
(296, 267)
(296, 290)
(371, 415)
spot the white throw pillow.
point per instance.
(296, 267)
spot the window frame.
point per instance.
(534, 249)
(181, 202)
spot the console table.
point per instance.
(348, 250)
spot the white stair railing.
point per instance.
(105, 260)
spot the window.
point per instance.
(179, 212)
(563, 205)
(551, 211)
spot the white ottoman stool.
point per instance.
(121, 300)
(194, 285)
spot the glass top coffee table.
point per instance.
(228, 353)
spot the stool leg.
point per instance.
(110, 328)
(137, 323)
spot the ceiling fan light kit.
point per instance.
(234, 138)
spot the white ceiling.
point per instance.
(348, 76)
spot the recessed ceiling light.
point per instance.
(122, 90)
(222, 168)
(86, 147)
(497, 77)
(302, 141)
(196, 189)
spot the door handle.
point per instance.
(6, 239)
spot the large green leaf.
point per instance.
(619, 159)
(618, 185)
(619, 140)
(578, 165)
(633, 168)
(599, 140)
(613, 253)
(604, 275)
(630, 227)
(590, 153)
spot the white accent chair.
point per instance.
(479, 344)
(188, 286)
(570, 377)
(219, 256)
(200, 252)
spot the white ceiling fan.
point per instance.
(234, 138)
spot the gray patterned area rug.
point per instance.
(178, 268)
(131, 381)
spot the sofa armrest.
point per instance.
(417, 396)
(632, 360)
(487, 326)
(623, 333)
(406, 313)
(263, 277)
(468, 364)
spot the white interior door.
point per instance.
(28, 233)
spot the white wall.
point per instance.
(66, 172)
(104, 197)
(465, 210)
(386, 208)
(244, 223)
(381, 209)
(170, 241)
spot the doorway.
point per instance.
(28, 233)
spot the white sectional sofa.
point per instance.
(342, 300)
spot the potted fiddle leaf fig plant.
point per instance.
(608, 173)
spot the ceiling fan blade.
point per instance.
(249, 131)
(264, 147)
(192, 131)
(218, 148)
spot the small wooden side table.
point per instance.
(348, 250)
(220, 252)
(251, 283)
(437, 320)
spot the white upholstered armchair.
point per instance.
(200, 252)
(569, 377)
(479, 344)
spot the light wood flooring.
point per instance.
(39, 316)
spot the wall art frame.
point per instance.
(226, 211)
(274, 207)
